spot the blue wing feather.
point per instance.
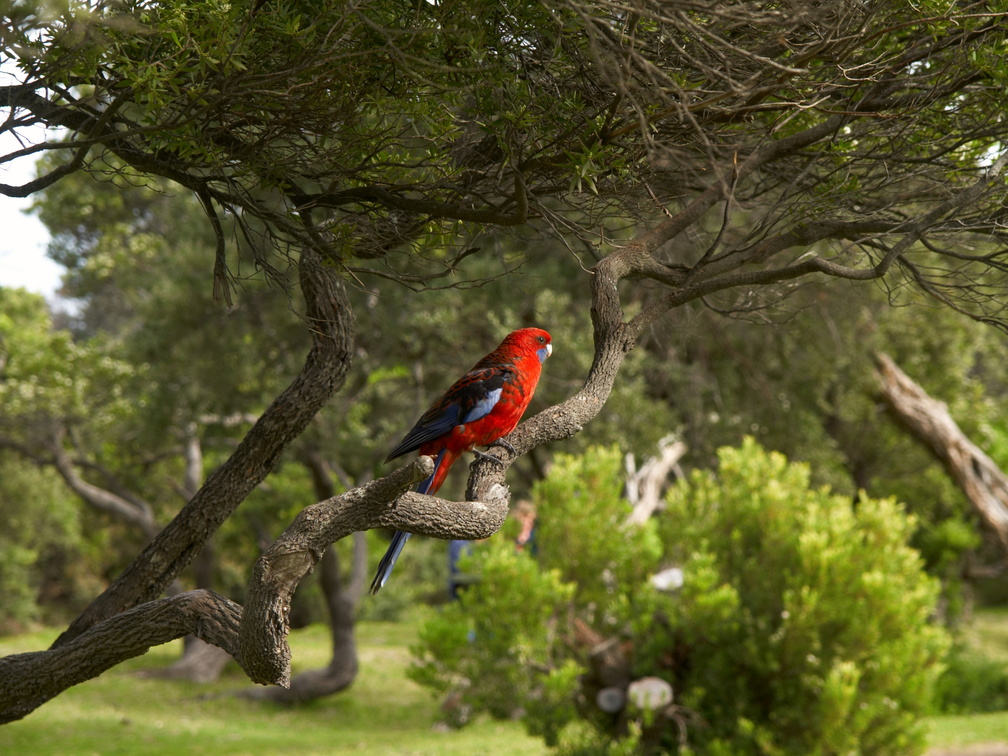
(469, 399)
(432, 425)
(483, 407)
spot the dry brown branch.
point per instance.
(644, 486)
(983, 482)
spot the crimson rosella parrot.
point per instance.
(482, 406)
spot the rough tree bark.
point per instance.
(984, 483)
(330, 319)
(340, 601)
(29, 680)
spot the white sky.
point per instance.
(23, 238)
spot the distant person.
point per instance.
(525, 514)
(456, 579)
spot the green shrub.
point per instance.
(802, 626)
(497, 657)
(806, 618)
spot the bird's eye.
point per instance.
(541, 339)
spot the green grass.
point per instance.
(987, 634)
(968, 729)
(382, 713)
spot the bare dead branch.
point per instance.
(983, 482)
(647, 482)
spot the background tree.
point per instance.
(693, 152)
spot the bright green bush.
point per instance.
(823, 643)
(802, 626)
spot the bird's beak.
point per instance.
(549, 349)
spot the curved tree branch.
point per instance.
(331, 321)
(31, 679)
(137, 513)
(257, 636)
(263, 636)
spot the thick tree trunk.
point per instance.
(340, 603)
(341, 671)
(928, 419)
(330, 319)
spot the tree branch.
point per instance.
(257, 636)
(31, 679)
(385, 503)
(983, 482)
(137, 513)
(331, 321)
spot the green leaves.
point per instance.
(802, 627)
(45, 373)
(582, 532)
(495, 659)
(834, 640)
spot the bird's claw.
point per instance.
(491, 457)
(506, 445)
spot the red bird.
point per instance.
(482, 406)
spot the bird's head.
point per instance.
(534, 340)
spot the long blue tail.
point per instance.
(399, 539)
(388, 561)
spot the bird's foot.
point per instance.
(506, 445)
(491, 457)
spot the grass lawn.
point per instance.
(968, 729)
(383, 713)
(988, 634)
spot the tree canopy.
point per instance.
(839, 138)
